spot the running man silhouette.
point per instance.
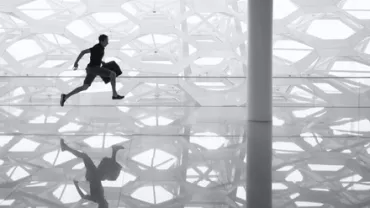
(95, 175)
(93, 69)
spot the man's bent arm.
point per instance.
(81, 55)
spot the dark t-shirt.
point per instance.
(96, 55)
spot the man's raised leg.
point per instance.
(115, 149)
(115, 96)
(65, 147)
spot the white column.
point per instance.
(259, 131)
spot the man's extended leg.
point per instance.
(65, 147)
(87, 83)
(115, 96)
(64, 97)
(115, 149)
(89, 164)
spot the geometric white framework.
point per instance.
(184, 66)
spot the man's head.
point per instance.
(103, 39)
(103, 204)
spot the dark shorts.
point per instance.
(92, 72)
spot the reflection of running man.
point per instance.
(94, 69)
(93, 174)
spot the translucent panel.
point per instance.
(25, 145)
(285, 168)
(316, 167)
(155, 158)
(277, 122)
(18, 91)
(209, 61)
(349, 69)
(354, 178)
(57, 39)
(319, 189)
(37, 4)
(306, 112)
(293, 196)
(104, 141)
(361, 125)
(279, 186)
(194, 19)
(23, 49)
(347, 151)
(283, 8)
(57, 157)
(128, 7)
(153, 121)
(203, 183)
(329, 29)
(16, 173)
(38, 14)
(37, 9)
(12, 110)
(6, 202)
(191, 172)
(359, 187)
(290, 50)
(79, 28)
(210, 84)
(367, 49)
(357, 8)
(37, 184)
(286, 146)
(67, 194)
(312, 139)
(327, 88)
(52, 63)
(295, 176)
(70, 127)
(156, 39)
(109, 17)
(208, 140)
(308, 204)
(43, 119)
(162, 194)
(241, 193)
(5, 140)
(153, 195)
(127, 177)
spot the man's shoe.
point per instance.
(62, 99)
(118, 97)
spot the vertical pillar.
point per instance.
(259, 133)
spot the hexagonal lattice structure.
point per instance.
(182, 121)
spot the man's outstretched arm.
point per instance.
(82, 195)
